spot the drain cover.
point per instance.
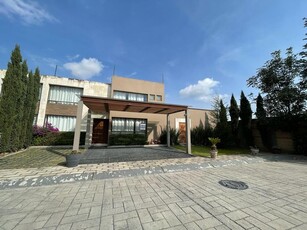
(233, 184)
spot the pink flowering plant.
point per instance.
(46, 135)
(43, 131)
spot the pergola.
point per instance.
(105, 105)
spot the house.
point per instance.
(126, 106)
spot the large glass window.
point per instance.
(64, 95)
(130, 96)
(63, 123)
(129, 125)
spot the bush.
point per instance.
(173, 136)
(199, 135)
(57, 138)
(50, 135)
(127, 139)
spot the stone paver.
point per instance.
(60, 174)
(182, 199)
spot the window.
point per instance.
(35, 119)
(159, 98)
(40, 91)
(63, 123)
(129, 125)
(152, 97)
(64, 95)
(129, 96)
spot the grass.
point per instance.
(204, 151)
(35, 158)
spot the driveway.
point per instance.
(111, 155)
(276, 198)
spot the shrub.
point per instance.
(173, 136)
(127, 139)
(50, 135)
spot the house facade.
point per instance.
(127, 106)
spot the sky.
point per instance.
(199, 48)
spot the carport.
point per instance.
(105, 105)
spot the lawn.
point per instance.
(204, 151)
(35, 158)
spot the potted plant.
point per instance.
(214, 141)
(72, 159)
(254, 150)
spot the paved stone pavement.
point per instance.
(186, 199)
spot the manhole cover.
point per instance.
(233, 184)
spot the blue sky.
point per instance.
(202, 48)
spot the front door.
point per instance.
(100, 131)
(182, 133)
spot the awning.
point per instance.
(102, 105)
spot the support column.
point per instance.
(188, 132)
(78, 126)
(168, 131)
(89, 128)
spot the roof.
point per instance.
(104, 104)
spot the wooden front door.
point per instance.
(100, 131)
(182, 132)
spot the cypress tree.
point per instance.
(21, 109)
(222, 129)
(234, 112)
(246, 118)
(32, 94)
(263, 124)
(18, 104)
(9, 102)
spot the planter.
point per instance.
(213, 153)
(254, 151)
(72, 160)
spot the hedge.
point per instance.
(57, 138)
(127, 139)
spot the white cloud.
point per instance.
(203, 90)
(30, 12)
(73, 57)
(85, 69)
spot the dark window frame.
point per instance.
(134, 126)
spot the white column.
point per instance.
(78, 126)
(168, 131)
(89, 128)
(188, 133)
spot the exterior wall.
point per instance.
(157, 122)
(282, 139)
(196, 116)
(89, 88)
(138, 86)
(2, 74)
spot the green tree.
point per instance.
(17, 104)
(9, 102)
(222, 129)
(283, 96)
(246, 118)
(263, 124)
(234, 113)
(303, 82)
(31, 102)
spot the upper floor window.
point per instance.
(152, 97)
(130, 96)
(64, 95)
(159, 98)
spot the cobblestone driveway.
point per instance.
(276, 199)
